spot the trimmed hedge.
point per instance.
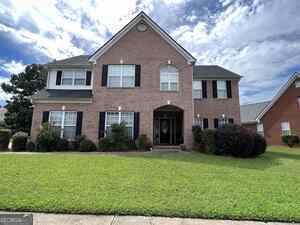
(143, 142)
(62, 145)
(87, 145)
(233, 140)
(290, 140)
(30, 146)
(47, 139)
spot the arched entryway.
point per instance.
(168, 125)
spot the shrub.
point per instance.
(260, 145)
(117, 140)
(47, 139)
(4, 139)
(143, 142)
(30, 146)
(19, 141)
(232, 139)
(290, 140)
(197, 137)
(87, 145)
(62, 145)
(74, 145)
(209, 141)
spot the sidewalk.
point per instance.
(64, 219)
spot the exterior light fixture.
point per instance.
(119, 108)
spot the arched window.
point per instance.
(168, 78)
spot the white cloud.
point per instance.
(258, 41)
(4, 96)
(12, 67)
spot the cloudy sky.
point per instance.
(259, 39)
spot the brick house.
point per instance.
(280, 116)
(143, 77)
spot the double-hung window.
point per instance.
(168, 78)
(117, 118)
(285, 128)
(64, 122)
(73, 78)
(121, 76)
(221, 88)
(197, 89)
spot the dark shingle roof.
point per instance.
(80, 60)
(62, 94)
(250, 112)
(213, 72)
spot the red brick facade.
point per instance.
(151, 51)
(286, 109)
(212, 108)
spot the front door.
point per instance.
(165, 131)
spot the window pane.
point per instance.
(70, 119)
(197, 85)
(168, 78)
(222, 93)
(79, 78)
(114, 70)
(197, 93)
(221, 84)
(69, 132)
(164, 86)
(112, 118)
(127, 117)
(128, 70)
(55, 118)
(173, 86)
(67, 78)
(114, 81)
(128, 82)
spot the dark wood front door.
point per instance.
(165, 131)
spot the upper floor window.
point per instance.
(121, 76)
(197, 89)
(222, 89)
(64, 123)
(168, 78)
(297, 84)
(299, 101)
(73, 78)
(285, 128)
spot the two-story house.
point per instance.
(140, 76)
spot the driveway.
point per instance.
(64, 219)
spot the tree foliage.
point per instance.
(22, 86)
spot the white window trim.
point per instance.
(62, 125)
(260, 129)
(169, 81)
(297, 83)
(119, 121)
(73, 78)
(218, 88)
(201, 92)
(121, 76)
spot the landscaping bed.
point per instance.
(173, 184)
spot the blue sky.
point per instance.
(259, 39)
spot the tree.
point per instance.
(22, 86)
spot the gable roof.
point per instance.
(213, 72)
(142, 17)
(281, 91)
(249, 112)
(80, 60)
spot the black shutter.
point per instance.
(45, 118)
(228, 87)
(204, 89)
(230, 120)
(88, 79)
(137, 75)
(136, 125)
(216, 123)
(215, 89)
(104, 75)
(101, 125)
(78, 123)
(205, 123)
(58, 77)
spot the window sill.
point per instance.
(169, 91)
(122, 88)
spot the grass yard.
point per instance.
(170, 184)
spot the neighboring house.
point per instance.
(140, 76)
(278, 117)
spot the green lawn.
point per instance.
(173, 184)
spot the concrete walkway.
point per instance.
(65, 219)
